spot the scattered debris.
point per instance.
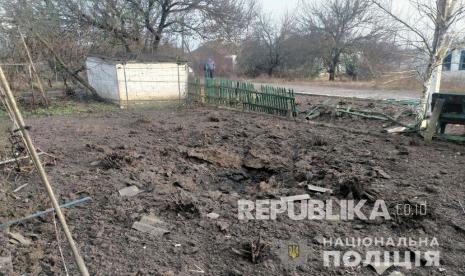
(234, 272)
(411, 102)
(168, 273)
(258, 250)
(20, 188)
(461, 205)
(369, 115)
(213, 216)
(401, 150)
(216, 156)
(319, 239)
(215, 195)
(295, 198)
(315, 112)
(396, 273)
(19, 238)
(319, 141)
(223, 225)
(198, 270)
(240, 252)
(380, 268)
(130, 191)
(5, 162)
(214, 119)
(382, 173)
(185, 183)
(396, 130)
(319, 189)
(264, 186)
(150, 224)
(458, 226)
(6, 265)
(114, 161)
(185, 206)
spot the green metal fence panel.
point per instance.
(244, 96)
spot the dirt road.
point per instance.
(349, 92)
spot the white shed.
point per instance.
(136, 82)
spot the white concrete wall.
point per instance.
(102, 76)
(152, 81)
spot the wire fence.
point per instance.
(243, 96)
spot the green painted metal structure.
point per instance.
(453, 112)
(244, 96)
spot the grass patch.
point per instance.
(154, 105)
(65, 108)
(70, 107)
(75, 107)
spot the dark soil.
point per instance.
(194, 161)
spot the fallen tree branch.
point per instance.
(34, 70)
(373, 115)
(17, 159)
(63, 65)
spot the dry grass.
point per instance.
(453, 85)
(4, 125)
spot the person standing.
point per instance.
(210, 68)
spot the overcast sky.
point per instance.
(279, 7)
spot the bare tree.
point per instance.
(64, 33)
(272, 37)
(431, 31)
(277, 48)
(342, 24)
(51, 39)
(146, 22)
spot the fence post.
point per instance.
(289, 108)
(201, 92)
(217, 88)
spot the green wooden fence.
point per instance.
(243, 95)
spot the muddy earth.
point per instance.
(192, 165)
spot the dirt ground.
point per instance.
(191, 162)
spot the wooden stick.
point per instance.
(39, 81)
(43, 175)
(31, 79)
(17, 159)
(63, 66)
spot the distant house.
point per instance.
(225, 61)
(454, 64)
